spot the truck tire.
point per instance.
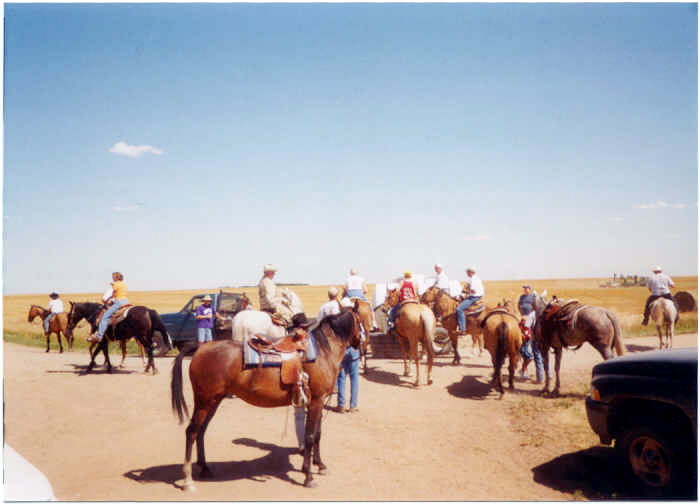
(160, 344)
(656, 456)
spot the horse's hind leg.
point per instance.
(454, 339)
(312, 441)
(402, 345)
(194, 429)
(60, 344)
(557, 366)
(205, 472)
(48, 339)
(413, 355)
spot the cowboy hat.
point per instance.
(333, 291)
(269, 267)
(657, 268)
(206, 298)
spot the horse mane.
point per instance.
(340, 324)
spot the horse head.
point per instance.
(430, 295)
(392, 297)
(34, 311)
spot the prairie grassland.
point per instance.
(626, 302)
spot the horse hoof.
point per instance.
(323, 471)
(190, 488)
(310, 484)
(430, 382)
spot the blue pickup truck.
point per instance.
(182, 326)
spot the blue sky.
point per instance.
(186, 145)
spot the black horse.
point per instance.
(141, 323)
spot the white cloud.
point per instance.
(615, 219)
(660, 204)
(134, 151)
(127, 208)
(477, 238)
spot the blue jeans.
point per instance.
(356, 293)
(204, 334)
(461, 317)
(47, 320)
(349, 366)
(531, 350)
(104, 323)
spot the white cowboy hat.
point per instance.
(471, 268)
(437, 265)
(269, 267)
(657, 268)
(333, 291)
(206, 298)
(353, 271)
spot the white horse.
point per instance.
(663, 312)
(248, 323)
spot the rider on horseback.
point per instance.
(441, 280)
(408, 293)
(355, 286)
(475, 291)
(117, 300)
(660, 286)
(272, 299)
(55, 307)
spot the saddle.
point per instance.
(290, 351)
(475, 309)
(117, 316)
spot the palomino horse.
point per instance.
(57, 325)
(502, 338)
(217, 369)
(444, 307)
(140, 323)
(415, 323)
(663, 312)
(579, 323)
(89, 312)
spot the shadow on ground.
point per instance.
(596, 473)
(276, 464)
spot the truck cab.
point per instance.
(182, 326)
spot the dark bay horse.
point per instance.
(217, 369)
(560, 325)
(140, 323)
(89, 312)
(57, 325)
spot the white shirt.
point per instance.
(56, 306)
(329, 308)
(442, 282)
(660, 284)
(354, 282)
(476, 288)
(108, 293)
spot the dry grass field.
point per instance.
(627, 302)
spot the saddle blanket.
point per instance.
(253, 358)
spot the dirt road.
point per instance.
(113, 437)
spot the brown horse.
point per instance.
(415, 323)
(503, 339)
(560, 325)
(444, 307)
(57, 325)
(364, 310)
(664, 314)
(217, 369)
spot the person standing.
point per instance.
(55, 307)
(475, 291)
(659, 284)
(355, 286)
(117, 299)
(441, 280)
(205, 320)
(530, 350)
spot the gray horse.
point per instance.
(664, 314)
(562, 325)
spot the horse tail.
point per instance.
(177, 398)
(501, 345)
(617, 337)
(428, 330)
(157, 325)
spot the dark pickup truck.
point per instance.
(647, 403)
(182, 326)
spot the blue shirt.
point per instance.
(526, 303)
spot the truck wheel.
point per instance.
(654, 456)
(160, 345)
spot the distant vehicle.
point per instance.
(647, 403)
(182, 326)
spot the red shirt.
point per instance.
(407, 291)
